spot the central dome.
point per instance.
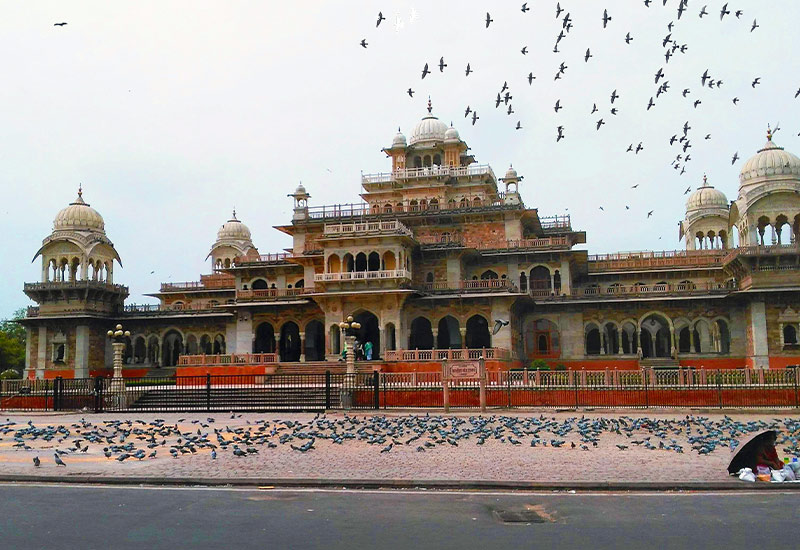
(771, 160)
(233, 229)
(429, 128)
(78, 215)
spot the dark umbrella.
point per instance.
(745, 452)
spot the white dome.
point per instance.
(78, 215)
(429, 128)
(399, 139)
(233, 229)
(706, 197)
(511, 174)
(771, 160)
(301, 190)
(451, 134)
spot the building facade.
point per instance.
(440, 256)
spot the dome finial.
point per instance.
(430, 106)
(769, 133)
(234, 212)
(705, 180)
(80, 190)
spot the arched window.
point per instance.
(451, 204)
(523, 282)
(434, 204)
(387, 208)
(488, 274)
(789, 335)
(542, 339)
(374, 262)
(426, 161)
(417, 161)
(611, 343)
(261, 284)
(464, 203)
(629, 345)
(334, 264)
(437, 159)
(476, 202)
(540, 282)
(361, 262)
(478, 333)
(593, 343)
(421, 336)
(300, 283)
(684, 341)
(429, 277)
(414, 206)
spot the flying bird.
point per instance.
(524, 50)
(425, 71)
(498, 325)
(467, 111)
(519, 126)
(614, 96)
(442, 65)
(755, 26)
(735, 158)
(587, 55)
(380, 18)
(606, 18)
(364, 42)
(600, 123)
(628, 38)
(489, 20)
(724, 11)
(468, 70)
(410, 92)
(558, 105)
(475, 117)
(756, 82)
(531, 78)
(59, 24)
(525, 7)
(649, 214)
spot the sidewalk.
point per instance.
(496, 463)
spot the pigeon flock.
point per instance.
(602, 113)
(137, 440)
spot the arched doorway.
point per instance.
(205, 344)
(448, 335)
(593, 342)
(540, 280)
(259, 284)
(191, 344)
(315, 341)
(369, 331)
(488, 274)
(172, 349)
(478, 333)
(289, 344)
(152, 349)
(219, 344)
(421, 334)
(265, 339)
(335, 334)
(656, 337)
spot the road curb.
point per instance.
(436, 484)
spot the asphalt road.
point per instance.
(66, 517)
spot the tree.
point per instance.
(12, 343)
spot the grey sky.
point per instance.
(171, 113)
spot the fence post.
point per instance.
(98, 394)
(575, 384)
(327, 389)
(208, 392)
(646, 396)
(508, 385)
(796, 402)
(57, 393)
(383, 376)
(719, 387)
(376, 391)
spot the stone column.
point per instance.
(566, 278)
(351, 354)
(619, 341)
(244, 333)
(691, 340)
(780, 327)
(758, 330)
(82, 351)
(435, 331)
(41, 356)
(29, 368)
(463, 332)
(302, 347)
(603, 342)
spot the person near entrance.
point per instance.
(368, 350)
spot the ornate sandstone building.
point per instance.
(436, 259)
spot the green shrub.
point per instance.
(540, 364)
(561, 366)
(10, 374)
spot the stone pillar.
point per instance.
(691, 340)
(244, 333)
(780, 327)
(603, 342)
(41, 355)
(351, 354)
(758, 330)
(435, 331)
(619, 341)
(672, 347)
(463, 332)
(639, 341)
(82, 351)
(29, 368)
(566, 278)
(302, 347)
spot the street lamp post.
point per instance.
(117, 337)
(349, 328)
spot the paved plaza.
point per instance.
(661, 447)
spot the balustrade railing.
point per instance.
(680, 288)
(210, 284)
(649, 259)
(167, 308)
(428, 172)
(277, 257)
(362, 275)
(271, 294)
(388, 227)
(227, 359)
(417, 355)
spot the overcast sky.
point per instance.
(172, 113)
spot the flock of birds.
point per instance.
(123, 440)
(672, 46)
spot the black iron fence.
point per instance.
(680, 388)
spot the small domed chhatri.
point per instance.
(399, 139)
(770, 161)
(233, 240)
(429, 128)
(78, 215)
(706, 197)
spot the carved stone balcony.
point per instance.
(366, 229)
(362, 276)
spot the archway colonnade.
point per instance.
(73, 268)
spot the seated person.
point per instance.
(766, 454)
